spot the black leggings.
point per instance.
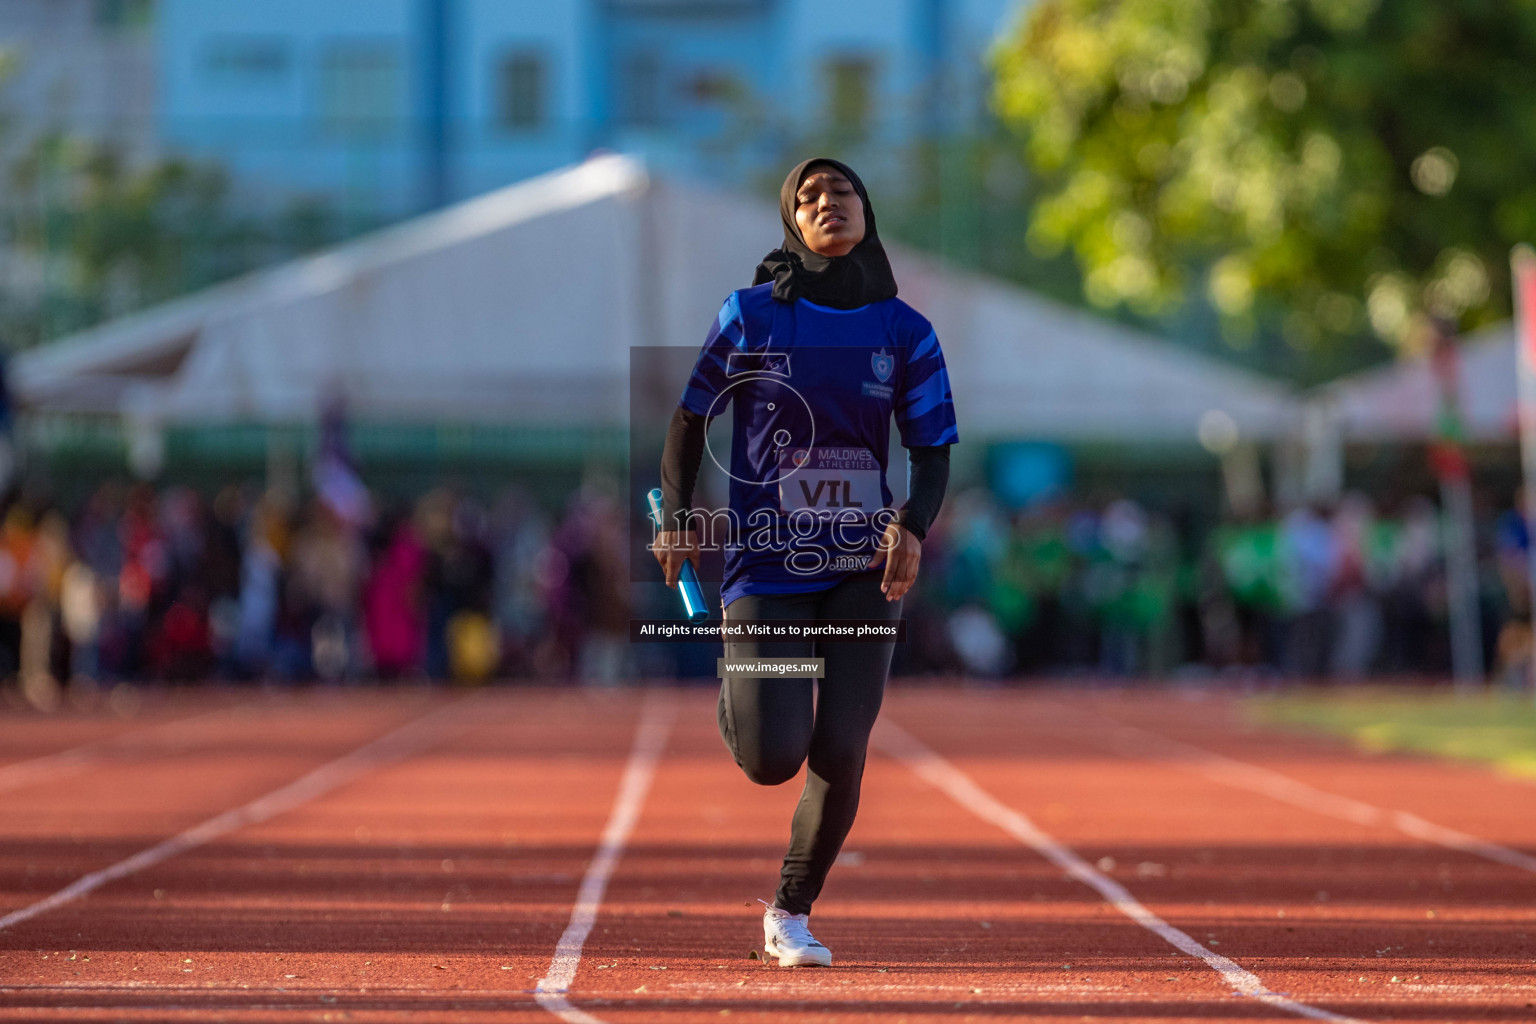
(772, 726)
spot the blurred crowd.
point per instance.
(169, 584)
(1338, 592)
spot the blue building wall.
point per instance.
(248, 84)
(342, 97)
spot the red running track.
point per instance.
(1020, 855)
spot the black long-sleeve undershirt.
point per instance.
(680, 460)
(927, 479)
(927, 475)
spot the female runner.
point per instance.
(816, 358)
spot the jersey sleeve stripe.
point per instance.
(733, 334)
(712, 368)
(730, 313)
(925, 348)
(951, 435)
(927, 396)
(698, 400)
(929, 431)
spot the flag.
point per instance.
(1523, 266)
(1447, 457)
(336, 479)
(1524, 279)
(7, 436)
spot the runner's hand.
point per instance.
(900, 550)
(672, 549)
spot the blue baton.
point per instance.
(688, 580)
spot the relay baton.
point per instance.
(688, 579)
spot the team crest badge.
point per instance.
(883, 364)
(800, 457)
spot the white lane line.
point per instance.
(650, 739)
(77, 759)
(1139, 742)
(393, 746)
(959, 787)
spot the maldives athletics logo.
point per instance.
(883, 364)
(801, 457)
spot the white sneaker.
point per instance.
(788, 937)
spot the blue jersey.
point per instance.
(812, 392)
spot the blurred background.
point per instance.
(321, 326)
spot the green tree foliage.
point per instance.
(88, 236)
(1329, 168)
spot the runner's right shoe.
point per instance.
(788, 937)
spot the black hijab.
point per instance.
(842, 282)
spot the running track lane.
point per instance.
(37, 748)
(61, 830)
(1411, 791)
(932, 933)
(25, 733)
(929, 893)
(1138, 743)
(1103, 972)
(650, 741)
(437, 886)
(1357, 917)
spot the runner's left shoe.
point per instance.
(788, 937)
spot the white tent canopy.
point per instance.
(1024, 366)
(1400, 402)
(521, 307)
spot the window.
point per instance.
(246, 62)
(520, 84)
(360, 90)
(713, 85)
(850, 86)
(124, 13)
(639, 100)
(691, 6)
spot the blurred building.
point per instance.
(82, 67)
(390, 106)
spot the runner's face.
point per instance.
(829, 213)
